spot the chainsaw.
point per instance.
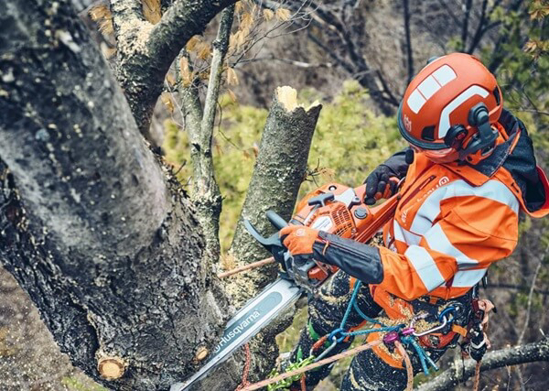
(332, 208)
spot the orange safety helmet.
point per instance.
(448, 108)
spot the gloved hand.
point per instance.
(381, 183)
(299, 239)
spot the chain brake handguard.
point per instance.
(299, 272)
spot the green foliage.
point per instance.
(349, 141)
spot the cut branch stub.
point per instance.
(279, 170)
(111, 368)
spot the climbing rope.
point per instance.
(399, 336)
(253, 265)
(299, 371)
(246, 370)
(409, 368)
(477, 376)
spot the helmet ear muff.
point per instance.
(455, 136)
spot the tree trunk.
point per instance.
(279, 171)
(92, 228)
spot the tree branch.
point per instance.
(205, 191)
(478, 32)
(102, 241)
(465, 24)
(409, 53)
(151, 49)
(279, 170)
(537, 351)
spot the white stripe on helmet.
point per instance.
(444, 122)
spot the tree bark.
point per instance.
(536, 351)
(146, 51)
(279, 171)
(92, 227)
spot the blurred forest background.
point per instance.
(355, 58)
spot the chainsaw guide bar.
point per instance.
(246, 323)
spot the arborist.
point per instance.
(468, 172)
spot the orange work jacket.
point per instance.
(453, 221)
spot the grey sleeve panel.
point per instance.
(356, 259)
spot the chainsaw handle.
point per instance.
(275, 219)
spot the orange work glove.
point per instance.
(299, 239)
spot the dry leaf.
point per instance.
(170, 79)
(232, 78)
(531, 46)
(168, 102)
(108, 51)
(239, 7)
(193, 42)
(101, 14)
(232, 95)
(268, 14)
(186, 74)
(539, 12)
(283, 14)
(152, 10)
(204, 75)
(203, 51)
(246, 21)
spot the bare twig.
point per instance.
(409, 52)
(465, 25)
(530, 295)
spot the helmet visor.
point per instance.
(445, 155)
(424, 145)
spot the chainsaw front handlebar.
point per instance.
(275, 219)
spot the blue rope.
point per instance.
(351, 304)
(368, 331)
(364, 316)
(339, 334)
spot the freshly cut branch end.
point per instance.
(202, 353)
(287, 96)
(111, 368)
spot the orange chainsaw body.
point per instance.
(345, 214)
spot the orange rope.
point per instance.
(302, 383)
(276, 379)
(246, 370)
(318, 344)
(477, 377)
(409, 368)
(253, 265)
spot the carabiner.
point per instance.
(327, 350)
